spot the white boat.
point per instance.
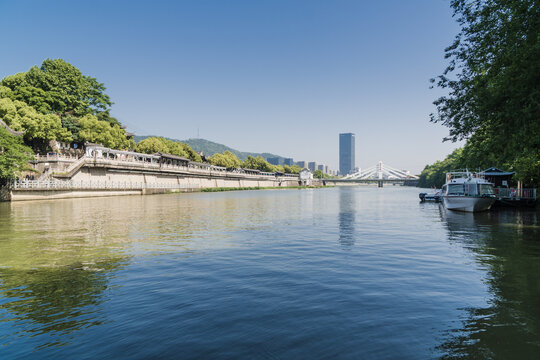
(466, 191)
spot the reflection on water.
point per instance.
(54, 301)
(57, 257)
(260, 274)
(506, 243)
(346, 216)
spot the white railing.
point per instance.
(117, 157)
(55, 157)
(75, 164)
(74, 184)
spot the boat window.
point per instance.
(455, 189)
(471, 189)
(486, 189)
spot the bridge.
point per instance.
(379, 174)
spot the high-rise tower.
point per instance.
(346, 153)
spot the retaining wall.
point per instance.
(140, 179)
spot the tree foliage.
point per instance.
(156, 144)
(14, 155)
(226, 159)
(258, 163)
(492, 82)
(38, 128)
(58, 87)
(102, 132)
(318, 174)
(293, 169)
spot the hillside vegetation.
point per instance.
(209, 148)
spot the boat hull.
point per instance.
(468, 203)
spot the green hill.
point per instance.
(210, 148)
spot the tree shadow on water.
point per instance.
(506, 244)
(53, 301)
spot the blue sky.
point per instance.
(266, 76)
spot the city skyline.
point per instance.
(281, 77)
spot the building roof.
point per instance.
(493, 171)
(172, 157)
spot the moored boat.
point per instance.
(430, 197)
(466, 191)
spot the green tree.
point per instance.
(156, 144)
(71, 124)
(258, 163)
(59, 87)
(101, 132)
(492, 82)
(226, 159)
(14, 156)
(38, 128)
(191, 154)
(434, 175)
(294, 169)
(152, 145)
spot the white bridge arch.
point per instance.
(381, 172)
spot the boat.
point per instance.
(466, 191)
(430, 197)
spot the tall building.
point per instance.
(312, 165)
(302, 164)
(346, 153)
(288, 161)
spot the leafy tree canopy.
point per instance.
(294, 169)
(58, 87)
(258, 163)
(492, 82)
(38, 128)
(227, 159)
(101, 132)
(156, 144)
(14, 155)
(318, 174)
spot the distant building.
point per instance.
(302, 164)
(346, 153)
(275, 160)
(288, 162)
(312, 166)
(320, 167)
(305, 176)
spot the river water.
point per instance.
(335, 273)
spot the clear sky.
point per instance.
(280, 76)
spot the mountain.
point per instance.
(210, 148)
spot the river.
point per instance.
(334, 273)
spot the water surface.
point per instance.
(353, 272)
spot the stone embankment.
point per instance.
(106, 172)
